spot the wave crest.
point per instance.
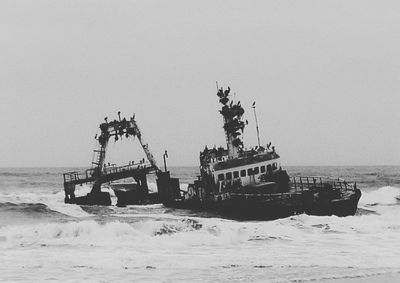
(384, 196)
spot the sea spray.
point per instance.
(383, 196)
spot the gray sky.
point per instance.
(325, 75)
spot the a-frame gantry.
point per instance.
(100, 174)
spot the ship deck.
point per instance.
(107, 175)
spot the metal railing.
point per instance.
(114, 169)
(90, 174)
(75, 176)
(317, 182)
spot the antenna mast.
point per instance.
(255, 116)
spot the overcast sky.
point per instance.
(325, 76)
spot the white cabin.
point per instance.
(248, 174)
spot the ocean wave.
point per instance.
(183, 231)
(29, 213)
(32, 209)
(148, 232)
(15, 174)
(53, 200)
(168, 233)
(26, 174)
(88, 232)
(383, 196)
(188, 225)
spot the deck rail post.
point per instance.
(301, 184)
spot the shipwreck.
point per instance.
(235, 181)
(251, 184)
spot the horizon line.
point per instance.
(177, 166)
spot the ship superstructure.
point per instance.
(251, 182)
(236, 167)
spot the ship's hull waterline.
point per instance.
(273, 207)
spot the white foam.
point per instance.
(54, 201)
(383, 196)
(303, 244)
(183, 248)
(153, 186)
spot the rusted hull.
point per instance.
(98, 198)
(273, 206)
(340, 207)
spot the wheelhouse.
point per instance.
(248, 174)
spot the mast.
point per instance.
(233, 124)
(255, 116)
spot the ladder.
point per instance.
(98, 157)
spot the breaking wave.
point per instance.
(35, 209)
(89, 231)
(52, 201)
(29, 213)
(158, 229)
(146, 239)
(383, 196)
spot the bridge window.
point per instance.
(249, 172)
(229, 176)
(256, 170)
(262, 169)
(236, 174)
(243, 173)
(269, 168)
(220, 177)
(274, 166)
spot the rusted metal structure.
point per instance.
(100, 173)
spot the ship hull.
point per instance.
(249, 203)
(267, 208)
(340, 207)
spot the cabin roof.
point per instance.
(246, 160)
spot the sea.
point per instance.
(44, 240)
